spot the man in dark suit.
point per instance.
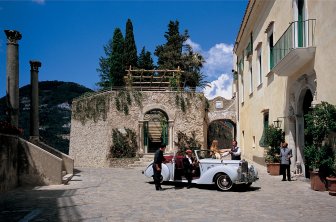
(189, 167)
(235, 151)
(285, 155)
(157, 166)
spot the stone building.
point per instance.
(154, 116)
(283, 59)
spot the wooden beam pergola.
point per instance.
(151, 80)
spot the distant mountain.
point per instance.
(55, 99)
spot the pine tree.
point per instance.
(175, 53)
(105, 66)
(145, 60)
(130, 53)
(169, 54)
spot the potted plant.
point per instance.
(273, 137)
(318, 153)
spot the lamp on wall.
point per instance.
(278, 122)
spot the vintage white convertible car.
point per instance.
(223, 173)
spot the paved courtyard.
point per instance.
(124, 194)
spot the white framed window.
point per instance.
(251, 77)
(270, 49)
(259, 65)
(242, 90)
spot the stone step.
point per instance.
(144, 161)
(66, 178)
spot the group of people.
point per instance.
(218, 153)
(189, 162)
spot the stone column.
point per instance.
(171, 146)
(141, 139)
(34, 100)
(300, 141)
(12, 76)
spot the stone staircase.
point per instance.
(143, 161)
(154, 131)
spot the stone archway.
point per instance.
(221, 122)
(222, 130)
(302, 95)
(146, 116)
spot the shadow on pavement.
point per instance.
(29, 204)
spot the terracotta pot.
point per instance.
(331, 184)
(316, 182)
(273, 169)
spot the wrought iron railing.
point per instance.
(299, 34)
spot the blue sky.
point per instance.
(68, 36)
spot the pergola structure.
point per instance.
(153, 80)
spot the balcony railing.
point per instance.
(299, 34)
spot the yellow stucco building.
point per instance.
(284, 58)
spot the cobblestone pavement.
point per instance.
(124, 194)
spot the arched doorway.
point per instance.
(222, 130)
(155, 129)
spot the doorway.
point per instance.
(155, 130)
(223, 131)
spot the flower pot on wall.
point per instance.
(273, 169)
(316, 181)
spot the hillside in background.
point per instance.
(55, 99)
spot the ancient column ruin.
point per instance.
(34, 100)
(12, 76)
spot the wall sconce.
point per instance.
(277, 123)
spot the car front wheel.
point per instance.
(223, 182)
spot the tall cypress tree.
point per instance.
(130, 53)
(117, 71)
(111, 68)
(145, 60)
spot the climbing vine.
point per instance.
(124, 144)
(91, 108)
(96, 106)
(124, 99)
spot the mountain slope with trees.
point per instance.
(55, 99)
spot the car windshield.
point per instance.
(203, 154)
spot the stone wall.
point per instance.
(23, 163)
(8, 162)
(221, 108)
(91, 137)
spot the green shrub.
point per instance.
(320, 122)
(124, 145)
(273, 138)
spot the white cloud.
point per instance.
(218, 60)
(217, 69)
(219, 87)
(40, 2)
(196, 47)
